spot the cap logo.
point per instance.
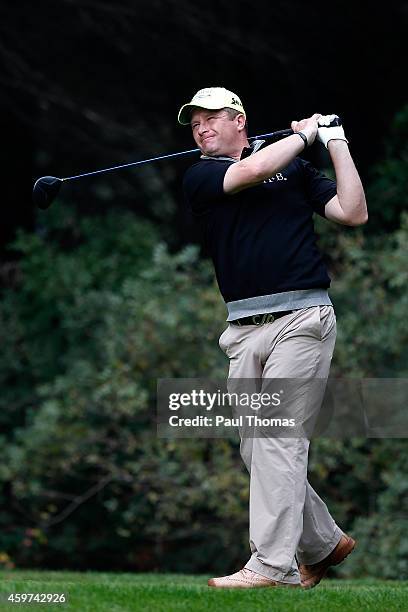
(235, 101)
(204, 93)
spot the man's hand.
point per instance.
(329, 129)
(307, 126)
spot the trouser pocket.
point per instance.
(328, 324)
(222, 341)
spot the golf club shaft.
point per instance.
(278, 133)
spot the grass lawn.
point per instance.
(98, 592)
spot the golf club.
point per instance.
(47, 188)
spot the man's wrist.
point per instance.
(303, 137)
(336, 143)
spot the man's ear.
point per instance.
(240, 119)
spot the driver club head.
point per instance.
(45, 191)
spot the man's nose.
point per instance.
(202, 128)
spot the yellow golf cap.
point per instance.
(211, 98)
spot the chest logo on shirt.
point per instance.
(278, 177)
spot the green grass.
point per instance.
(100, 592)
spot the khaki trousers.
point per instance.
(288, 522)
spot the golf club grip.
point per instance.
(276, 134)
(281, 133)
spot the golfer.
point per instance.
(255, 204)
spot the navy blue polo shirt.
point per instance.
(261, 239)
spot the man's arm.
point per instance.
(349, 206)
(269, 160)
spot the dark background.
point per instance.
(89, 84)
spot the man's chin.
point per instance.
(213, 151)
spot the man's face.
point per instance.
(214, 132)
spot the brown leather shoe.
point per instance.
(246, 579)
(311, 575)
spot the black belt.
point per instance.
(261, 319)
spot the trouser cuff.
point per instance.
(270, 572)
(328, 547)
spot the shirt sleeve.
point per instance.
(319, 188)
(203, 185)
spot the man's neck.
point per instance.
(237, 152)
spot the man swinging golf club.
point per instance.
(255, 206)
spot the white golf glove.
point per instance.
(330, 128)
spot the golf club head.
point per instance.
(45, 191)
